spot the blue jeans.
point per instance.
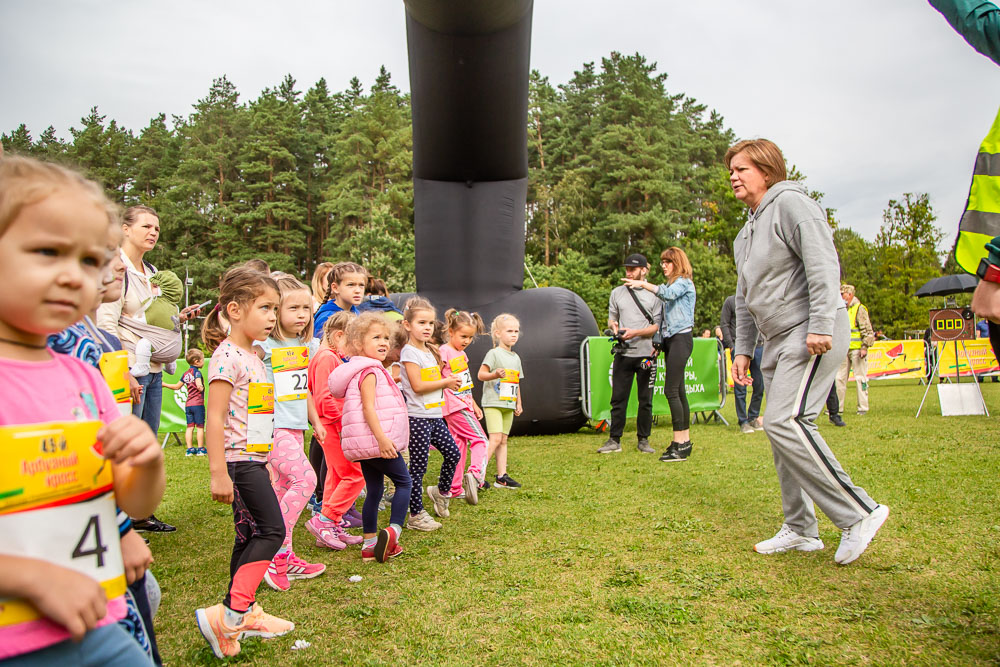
(148, 407)
(108, 646)
(740, 392)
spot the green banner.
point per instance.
(701, 379)
(172, 419)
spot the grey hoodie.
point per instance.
(787, 267)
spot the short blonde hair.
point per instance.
(497, 323)
(361, 325)
(765, 155)
(286, 285)
(25, 181)
(679, 259)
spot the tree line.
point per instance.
(618, 164)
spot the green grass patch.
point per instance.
(619, 559)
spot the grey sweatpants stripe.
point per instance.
(797, 384)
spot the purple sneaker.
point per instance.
(352, 518)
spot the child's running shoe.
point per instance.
(470, 485)
(352, 518)
(346, 537)
(440, 502)
(258, 623)
(300, 569)
(387, 544)
(507, 482)
(191, 451)
(202, 451)
(422, 521)
(277, 573)
(223, 640)
(324, 533)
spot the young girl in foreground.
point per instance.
(501, 371)
(286, 353)
(344, 480)
(240, 433)
(374, 430)
(422, 388)
(460, 410)
(62, 577)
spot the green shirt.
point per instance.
(501, 358)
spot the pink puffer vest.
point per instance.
(356, 439)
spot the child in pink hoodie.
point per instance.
(375, 429)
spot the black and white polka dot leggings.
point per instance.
(424, 432)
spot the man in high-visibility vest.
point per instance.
(862, 337)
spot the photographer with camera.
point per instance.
(633, 317)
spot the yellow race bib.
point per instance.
(435, 398)
(508, 385)
(260, 417)
(114, 368)
(460, 368)
(57, 505)
(291, 372)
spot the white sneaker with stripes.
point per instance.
(787, 539)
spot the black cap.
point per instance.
(636, 260)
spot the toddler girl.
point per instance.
(344, 480)
(286, 354)
(501, 372)
(239, 434)
(63, 576)
(374, 430)
(422, 386)
(460, 410)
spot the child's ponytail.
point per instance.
(455, 318)
(240, 285)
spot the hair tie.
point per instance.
(217, 305)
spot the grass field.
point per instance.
(620, 559)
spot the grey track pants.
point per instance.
(797, 385)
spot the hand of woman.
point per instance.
(818, 344)
(189, 313)
(135, 389)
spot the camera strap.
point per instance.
(649, 318)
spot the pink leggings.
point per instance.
(292, 477)
(469, 436)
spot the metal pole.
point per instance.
(187, 299)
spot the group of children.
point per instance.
(377, 392)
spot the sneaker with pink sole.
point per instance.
(324, 533)
(300, 569)
(346, 537)
(277, 573)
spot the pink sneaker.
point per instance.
(324, 533)
(277, 573)
(300, 569)
(346, 537)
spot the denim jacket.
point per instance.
(678, 306)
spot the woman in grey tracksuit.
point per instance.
(787, 290)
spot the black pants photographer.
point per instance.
(633, 319)
(623, 371)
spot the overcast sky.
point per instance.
(869, 98)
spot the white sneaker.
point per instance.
(440, 502)
(788, 540)
(422, 521)
(854, 540)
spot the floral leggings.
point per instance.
(292, 477)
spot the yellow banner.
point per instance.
(979, 352)
(892, 359)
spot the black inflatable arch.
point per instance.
(469, 65)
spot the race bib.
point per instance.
(114, 368)
(432, 399)
(57, 505)
(260, 417)
(507, 387)
(460, 369)
(291, 372)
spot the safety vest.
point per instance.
(852, 312)
(981, 220)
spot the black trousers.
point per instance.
(623, 370)
(832, 402)
(260, 530)
(318, 462)
(677, 350)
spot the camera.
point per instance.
(620, 344)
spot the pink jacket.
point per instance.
(356, 439)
